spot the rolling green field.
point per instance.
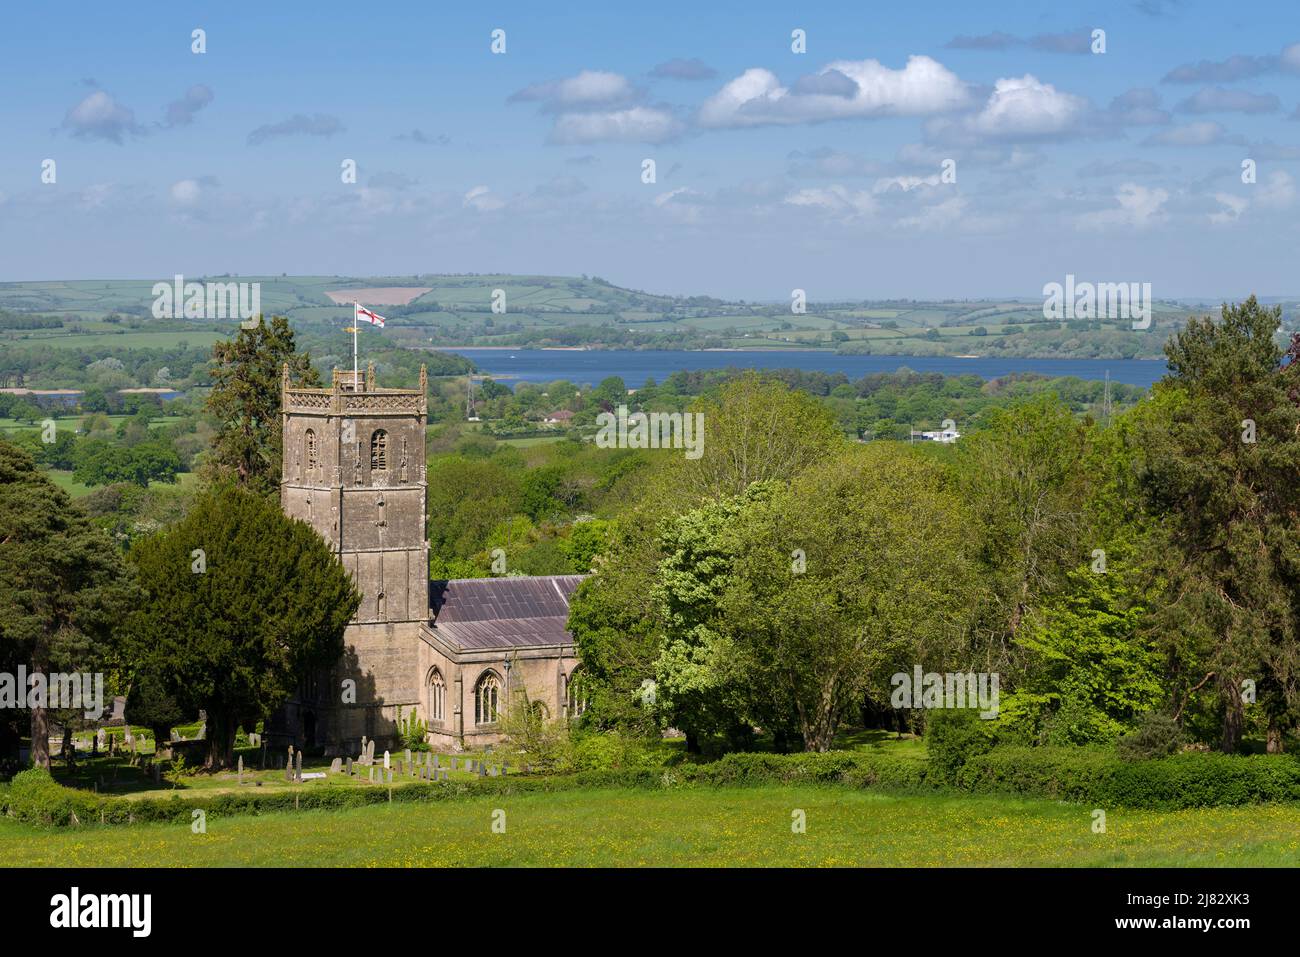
(689, 827)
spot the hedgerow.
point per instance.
(1080, 775)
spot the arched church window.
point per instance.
(575, 698)
(437, 696)
(379, 450)
(487, 696)
(309, 441)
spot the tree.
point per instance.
(63, 588)
(1025, 479)
(245, 401)
(242, 603)
(856, 570)
(1221, 455)
(755, 429)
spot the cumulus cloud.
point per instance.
(1135, 207)
(638, 124)
(181, 112)
(679, 69)
(318, 124)
(840, 90)
(589, 89)
(1220, 100)
(1020, 108)
(100, 116)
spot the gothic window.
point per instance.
(487, 694)
(379, 451)
(437, 696)
(575, 699)
(309, 442)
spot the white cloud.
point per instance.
(835, 199)
(99, 116)
(585, 90)
(1027, 107)
(840, 90)
(482, 199)
(1277, 191)
(1137, 207)
(639, 124)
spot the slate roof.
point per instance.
(485, 613)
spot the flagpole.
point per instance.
(355, 323)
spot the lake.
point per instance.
(588, 367)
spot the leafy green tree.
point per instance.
(755, 429)
(856, 570)
(1025, 479)
(245, 401)
(233, 634)
(63, 588)
(1090, 671)
(1221, 455)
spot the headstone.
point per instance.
(336, 765)
(408, 757)
(442, 775)
(241, 770)
(349, 766)
(433, 759)
(480, 769)
(371, 769)
(387, 762)
(157, 773)
(299, 767)
(288, 770)
(389, 772)
(312, 776)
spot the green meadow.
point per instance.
(688, 827)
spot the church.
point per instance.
(455, 655)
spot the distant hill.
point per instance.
(436, 310)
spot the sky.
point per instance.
(943, 150)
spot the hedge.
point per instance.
(1081, 775)
(1101, 778)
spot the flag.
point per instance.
(365, 315)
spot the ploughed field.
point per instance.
(711, 827)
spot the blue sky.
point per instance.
(774, 169)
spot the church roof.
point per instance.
(484, 613)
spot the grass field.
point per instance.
(689, 827)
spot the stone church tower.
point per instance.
(455, 655)
(354, 469)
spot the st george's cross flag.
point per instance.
(365, 315)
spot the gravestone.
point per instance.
(432, 759)
(299, 767)
(241, 770)
(157, 773)
(480, 769)
(349, 766)
(371, 769)
(387, 762)
(389, 772)
(442, 774)
(336, 765)
(408, 757)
